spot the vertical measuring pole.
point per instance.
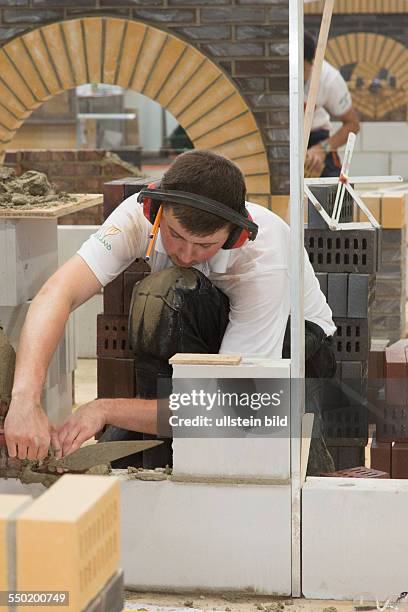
(296, 101)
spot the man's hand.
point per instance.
(315, 159)
(82, 425)
(28, 431)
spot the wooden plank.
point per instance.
(316, 71)
(82, 202)
(205, 359)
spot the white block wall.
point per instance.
(381, 148)
(28, 257)
(266, 457)
(354, 537)
(70, 238)
(200, 536)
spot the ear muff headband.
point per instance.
(149, 195)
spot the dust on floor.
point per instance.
(160, 602)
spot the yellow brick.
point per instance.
(204, 77)
(235, 129)
(264, 199)
(280, 206)
(254, 164)
(373, 203)
(246, 145)
(258, 184)
(133, 40)
(113, 38)
(149, 55)
(56, 48)
(73, 36)
(35, 44)
(17, 53)
(219, 91)
(186, 67)
(9, 504)
(15, 82)
(393, 211)
(5, 135)
(93, 43)
(7, 119)
(169, 57)
(68, 539)
(232, 107)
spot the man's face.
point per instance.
(186, 249)
(307, 68)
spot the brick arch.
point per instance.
(369, 57)
(53, 58)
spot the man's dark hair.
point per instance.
(309, 47)
(210, 175)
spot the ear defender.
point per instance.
(152, 197)
(150, 206)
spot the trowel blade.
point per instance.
(102, 453)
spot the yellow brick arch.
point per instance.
(378, 78)
(53, 58)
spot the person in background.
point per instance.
(333, 101)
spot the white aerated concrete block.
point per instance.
(370, 164)
(250, 456)
(85, 327)
(213, 537)
(399, 164)
(29, 256)
(71, 238)
(354, 537)
(384, 135)
(57, 400)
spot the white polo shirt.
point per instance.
(255, 277)
(333, 97)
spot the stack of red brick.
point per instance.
(389, 450)
(116, 377)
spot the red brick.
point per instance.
(39, 155)
(113, 195)
(399, 460)
(91, 154)
(113, 297)
(90, 184)
(380, 454)
(357, 472)
(113, 337)
(116, 377)
(63, 155)
(87, 169)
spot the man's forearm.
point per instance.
(134, 413)
(339, 138)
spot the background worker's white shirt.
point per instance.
(333, 97)
(255, 277)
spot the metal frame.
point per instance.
(296, 97)
(343, 185)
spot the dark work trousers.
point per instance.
(332, 164)
(179, 310)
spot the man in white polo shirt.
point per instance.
(333, 101)
(219, 283)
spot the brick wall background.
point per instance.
(248, 39)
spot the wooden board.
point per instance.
(52, 211)
(205, 359)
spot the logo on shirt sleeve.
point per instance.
(105, 233)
